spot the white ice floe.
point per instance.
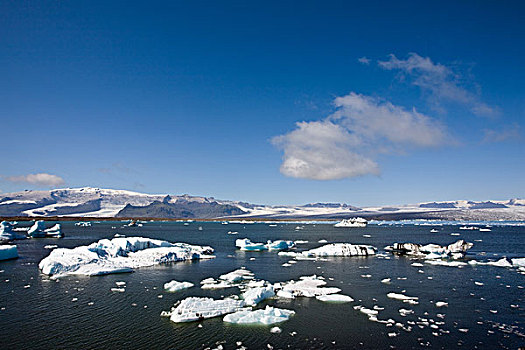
(195, 309)
(50, 246)
(386, 280)
(119, 255)
(369, 312)
(401, 297)
(503, 262)
(174, 286)
(322, 241)
(446, 263)
(276, 330)
(518, 262)
(254, 296)
(335, 298)
(227, 280)
(8, 252)
(269, 315)
(458, 248)
(247, 245)
(335, 250)
(441, 303)
(307, 286)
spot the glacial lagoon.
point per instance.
(466, 305)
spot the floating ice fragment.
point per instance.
(275, 330)
(335, 298)
(253, 296)
(174, 286)
(195, 308)
(307, 286)
(119, 255)
(441, 303)
(431, 250)
(386, 280)
(269, 315)
(8, 252)
(446, 263)
(503, 262)
(402, 297)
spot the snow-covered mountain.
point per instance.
(97, 202)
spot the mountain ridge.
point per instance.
(99, 202)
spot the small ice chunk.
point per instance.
(386, 280)
(275, 330)
(441, 303)
(335, 298)
(174, 286)
(269, 315)
(195, 308)
(253, 296)
(402, 297)
(322, 241)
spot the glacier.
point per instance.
(118, 255)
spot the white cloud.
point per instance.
(364, 60)
(344, 144)
(507, 133)
(321, 150)
(441, 82)
(41, 179)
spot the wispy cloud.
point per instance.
(441, 83)
(344, 144)
(364, 60)
(40, 179)
(506, 133)
(116, 168)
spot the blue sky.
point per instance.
(396, 102)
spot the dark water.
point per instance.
(43, 315)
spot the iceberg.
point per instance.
(335, 250)
(8, 252)
(38, 229)
(7, 232)
(307, 286)
(335, 298)
(432, 251)
(196, 309)
(174, 286)
(254, 296)
(119, 255)
(55, 231)
(267, 316)
(247, 245)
